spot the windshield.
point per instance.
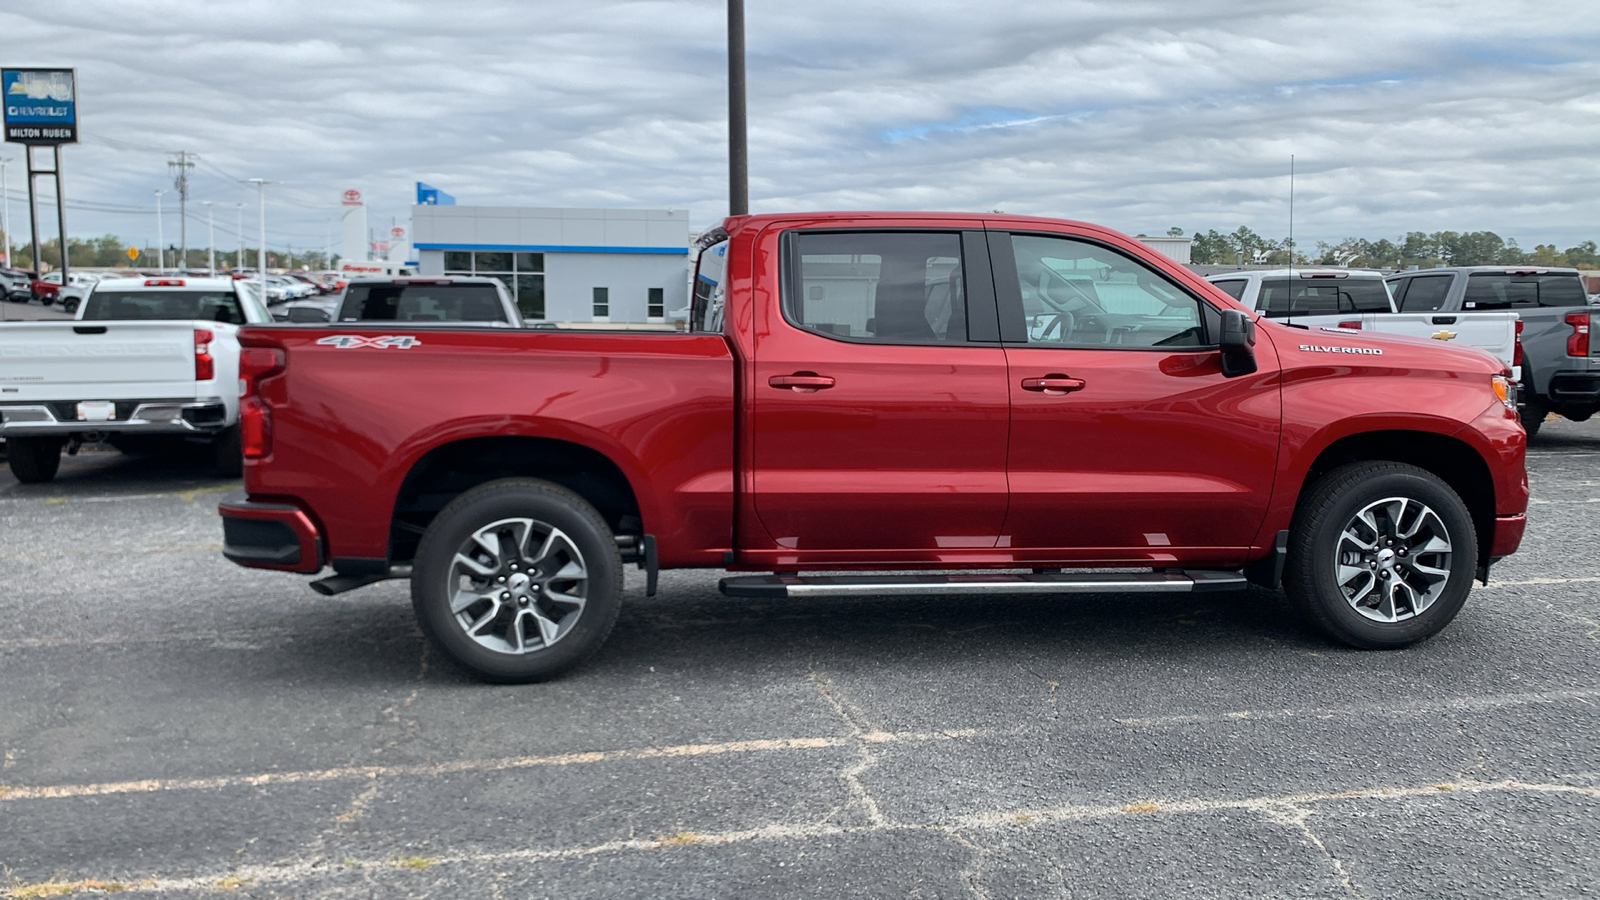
(211, 306)
(1306, 297)
(1498, 290)
(422, 303)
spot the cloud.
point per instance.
(1137, 115)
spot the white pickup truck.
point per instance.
(1359, 298)
(146, 364)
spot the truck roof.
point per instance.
(167, 283)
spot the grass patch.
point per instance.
(62, 888)
(680, 839)
(415, 862)
(232, 883)
(1444, 786)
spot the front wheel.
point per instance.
(517, 580)
(1381, 555)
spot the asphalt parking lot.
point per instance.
(173, 724)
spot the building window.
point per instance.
(602, 303)
(522, 274)
(657, 308)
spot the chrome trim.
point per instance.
(164, 416)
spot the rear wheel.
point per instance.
(226, 453)
(517, 580)
(34, 460)
(1532, 414)
(1381, 555)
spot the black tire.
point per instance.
(70, 305)
(226, 454)
(1532, 414)
(548, 506)
(34, 460)
(1315, 543)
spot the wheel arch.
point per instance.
(450, 469)
(1453, 460)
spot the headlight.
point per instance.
(1506, 390)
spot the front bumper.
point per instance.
(1507, 535)
(270, 536)
(132, 417)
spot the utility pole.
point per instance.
(238, 261)
(738, 143)
(161, 240)
(261, 254)
(211, 236)
(182, 163)
(5, 212)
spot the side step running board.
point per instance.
(1188, 581)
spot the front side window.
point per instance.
(1078, 294)
(1425, 293)
(1282, 297)
(1504, 290)
(881, 287)
(208, 306)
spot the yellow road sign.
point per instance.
(133, 253)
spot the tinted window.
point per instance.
(706, 306)
(421, 303)
(1311, 296)
(210, 306)
(1079, 294)
(1234, 288)
(886, 287)
(1425, 293)
(1497, 290)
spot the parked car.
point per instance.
(16, 285)
(147, 362)
(44, 290)
(1360, 298)
(919, 394)
(1560, 365)
(421, 300)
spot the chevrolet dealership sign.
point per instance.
(41, 105)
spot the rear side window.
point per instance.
(1310, 296)
(1499, 290)
(415, 302)
(1425, 293)
(1234, 288)
(706, 306)
(209, 306)
(882, 287)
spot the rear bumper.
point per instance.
(1507, 535)
(1575, 387)
(270, 536)
(133, 417)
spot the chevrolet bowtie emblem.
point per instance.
(1445, 336)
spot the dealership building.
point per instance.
(563, 265)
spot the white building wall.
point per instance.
(628, 251)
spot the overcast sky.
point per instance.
(1137, 115)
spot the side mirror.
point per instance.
(1237, 341)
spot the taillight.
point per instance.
(205, 368)
(1353, 324)
(1516, 353)
(1578, 341)
(163, 282)
(256, 364)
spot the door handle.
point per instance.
(1053, 384)
(801, 382)
(1444, 320)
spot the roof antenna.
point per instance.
(1291, 213)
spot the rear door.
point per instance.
(1127, 443)
(880, 406)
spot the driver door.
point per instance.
(1126, 441)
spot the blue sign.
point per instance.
(41, 105)
(428, 195)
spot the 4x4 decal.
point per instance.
(346, 341)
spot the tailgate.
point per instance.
(1495, 332)
(96, 360)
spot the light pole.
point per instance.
(211, 235)
(238, 228)
(261, 255)
(161, 240)
(738, 144)
(182, 165)
(5, 212)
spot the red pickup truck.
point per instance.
(990, 402)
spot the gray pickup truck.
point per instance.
(1560, 364)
